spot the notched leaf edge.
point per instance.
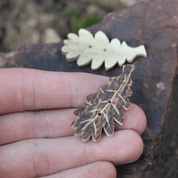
(105, 108)
(97, 49)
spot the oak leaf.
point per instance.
(104, 108)
(98, 50)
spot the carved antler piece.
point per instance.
(85, 49)
(104, 108)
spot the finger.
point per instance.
(98, 169)
(40, 157)
(134, 119)
(40, 124)
(29, 89)
(56, 123)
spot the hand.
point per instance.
(36, 138)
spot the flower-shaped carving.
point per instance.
(98, 50)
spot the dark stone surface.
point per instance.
(155, 25)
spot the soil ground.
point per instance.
(36, 21)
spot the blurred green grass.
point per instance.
(82, 22)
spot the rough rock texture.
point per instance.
(155, 25)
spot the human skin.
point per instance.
(36, 139)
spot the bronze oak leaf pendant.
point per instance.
(104, 108)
